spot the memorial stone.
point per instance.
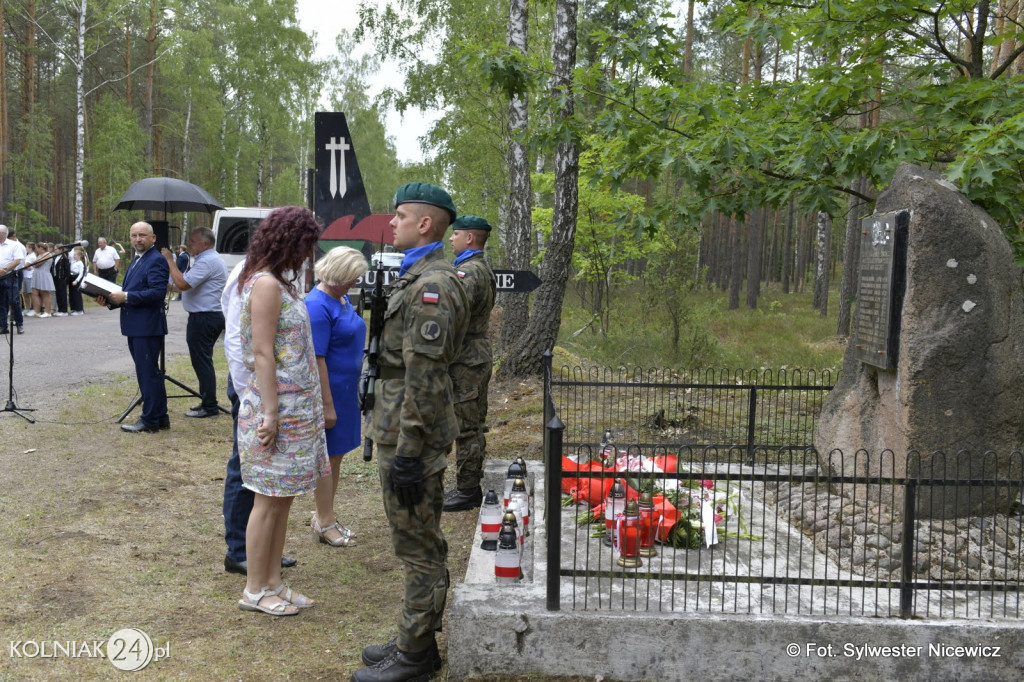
(953, 391)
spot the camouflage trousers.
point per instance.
(419, 543)
(471, 444)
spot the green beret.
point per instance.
(471, 222)
(425, 193)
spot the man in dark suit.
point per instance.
(141, 301)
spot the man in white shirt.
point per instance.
(105, 260)
(237, 499)
(12, 253)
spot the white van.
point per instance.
(233, 227)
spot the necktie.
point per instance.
(135, 259)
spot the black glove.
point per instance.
(407, 480)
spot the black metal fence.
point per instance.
(745, 409)
(793, 536)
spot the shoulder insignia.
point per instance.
(430, 330)
(460, 273)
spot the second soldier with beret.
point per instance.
(413, 424)
(471, 371)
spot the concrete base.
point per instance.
(507, 630)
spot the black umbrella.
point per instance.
(169, 195)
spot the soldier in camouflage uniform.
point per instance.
(413, 424)
(471, 371)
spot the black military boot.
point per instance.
(375, 653)
(399, 667)
(458, 499)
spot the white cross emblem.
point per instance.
(338, 188)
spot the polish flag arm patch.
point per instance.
(431, 297)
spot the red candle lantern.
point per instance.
(490, 521)
(520, 495)
(517, 469)
(613, 504)
(648, 525)
(627, 536)
(507, 567)
(512, 519)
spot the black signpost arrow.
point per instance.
(508, 281)
(516, 281)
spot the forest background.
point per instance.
(637, 154)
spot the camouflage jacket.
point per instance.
(478, 279)
(472, 365)
(424, 327)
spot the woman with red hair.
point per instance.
(281, 439)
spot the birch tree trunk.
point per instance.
(525, 355)
(518, 227)
(821, 262)
(80, 124)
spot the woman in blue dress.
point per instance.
(339, 335)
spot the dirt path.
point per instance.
(58, 355)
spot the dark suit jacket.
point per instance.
(145, 283)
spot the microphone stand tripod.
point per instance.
(10, 406)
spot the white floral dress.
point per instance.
(298, 456)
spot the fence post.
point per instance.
(751, 421)
(553, 431)
(907, 564)
(548, 399)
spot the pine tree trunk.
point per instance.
(735, 263)
(150, 76)
(787, 248)
(29, 76)
(5, 149)
(519, 227)
(525, 357)
(851, 258)
(688, 50)
(754, 240)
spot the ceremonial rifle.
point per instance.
(368, 382)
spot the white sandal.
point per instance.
(251, 602)
(296, 599)
(346, 539)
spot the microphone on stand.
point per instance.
(84, 244)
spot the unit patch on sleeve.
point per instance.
(430, 330)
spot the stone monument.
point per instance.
(936, 362)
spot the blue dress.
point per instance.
(339, 335)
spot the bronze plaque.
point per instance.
(880, 288)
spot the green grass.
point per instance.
(783, 332)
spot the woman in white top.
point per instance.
(78, 269)
(28, 297)
(42, 281)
